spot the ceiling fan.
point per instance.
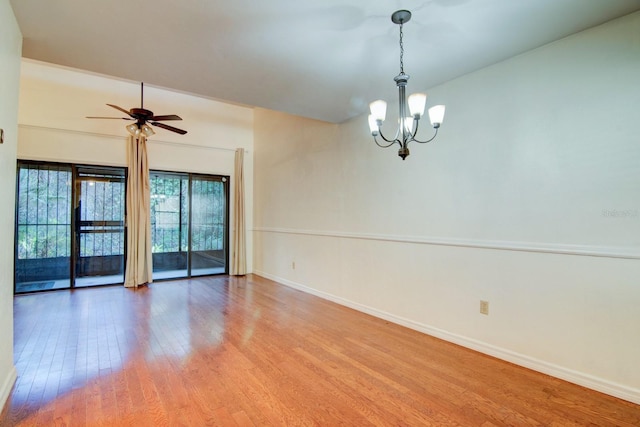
(142, 117)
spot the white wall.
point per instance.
(529, 199)
(55, 100)
(10, 51)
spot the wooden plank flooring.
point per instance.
(250, 352)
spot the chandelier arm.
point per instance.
(428, 140)
(391, 142)
(414, 131)
(396, 137)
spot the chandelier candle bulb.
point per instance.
(407, 126)
(373, 125)
(436, 115)
(417, 102)
(378, 110)
(408, 123)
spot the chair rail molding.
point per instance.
(621, 252)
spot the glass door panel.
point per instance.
(208, 225)
(43, 227)
(99, 220)
(169, 224)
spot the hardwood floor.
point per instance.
(248, 351)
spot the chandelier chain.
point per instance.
(401, 52)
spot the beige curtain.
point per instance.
(138, 268)
(239, 254)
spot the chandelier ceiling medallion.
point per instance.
(407, 125)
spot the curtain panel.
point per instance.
(239, 254)
(138, 269)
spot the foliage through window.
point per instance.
(169, 212)
(43, 216)
(208, 218)
(101, 212)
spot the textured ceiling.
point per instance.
(324, 59)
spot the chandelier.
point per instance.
(407, 125)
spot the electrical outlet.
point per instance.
(484, 307)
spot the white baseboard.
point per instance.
(7, 384)
(594, 383)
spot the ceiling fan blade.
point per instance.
(120, 109)
(167, 127)
(167, 117)
(115, 118)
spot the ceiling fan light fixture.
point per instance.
(133, 129)
(146, 129)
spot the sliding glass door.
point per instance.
(189, 221)
(69, 226)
